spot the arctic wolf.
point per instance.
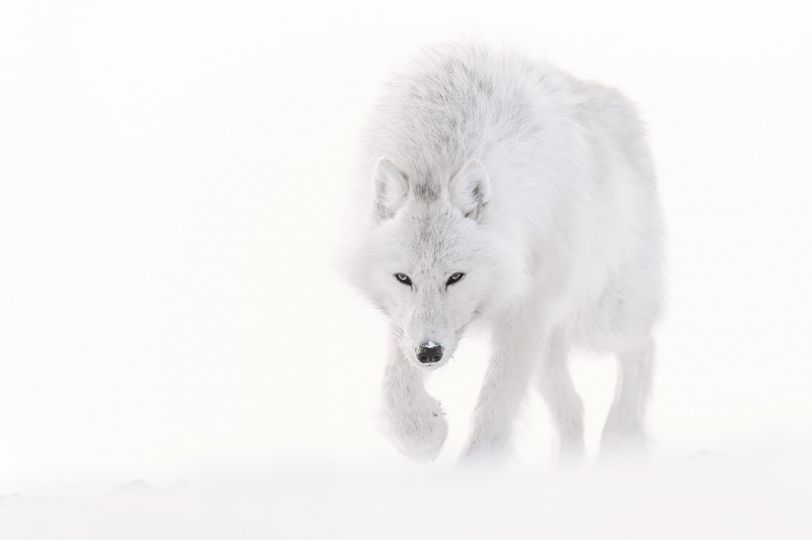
(506, 194)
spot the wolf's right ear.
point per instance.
(389, 188)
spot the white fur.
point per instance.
(540, 188)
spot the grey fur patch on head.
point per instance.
(425, 191)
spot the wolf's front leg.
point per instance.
(414, 421)
(516, 344)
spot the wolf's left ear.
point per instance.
(470, 189)
(389, 188)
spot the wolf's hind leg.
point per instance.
(413, 420)
(625, 425)
(563, 402)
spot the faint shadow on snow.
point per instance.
(134, 487)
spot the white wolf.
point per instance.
(506, 192)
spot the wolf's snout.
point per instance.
(429, 353)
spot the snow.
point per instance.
(709, 495)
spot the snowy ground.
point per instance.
(760, 495)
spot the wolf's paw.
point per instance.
(571, 451)
(623, 440)
(485, 453)
(419, 430)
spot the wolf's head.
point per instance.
(431, 261)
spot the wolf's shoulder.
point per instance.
(469, 67)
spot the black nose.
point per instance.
(429, 353)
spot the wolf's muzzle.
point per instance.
(429, 353)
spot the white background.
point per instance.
(171, 186)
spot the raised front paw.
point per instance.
(417, 430)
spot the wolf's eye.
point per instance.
(403, 278)
(455, 277)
